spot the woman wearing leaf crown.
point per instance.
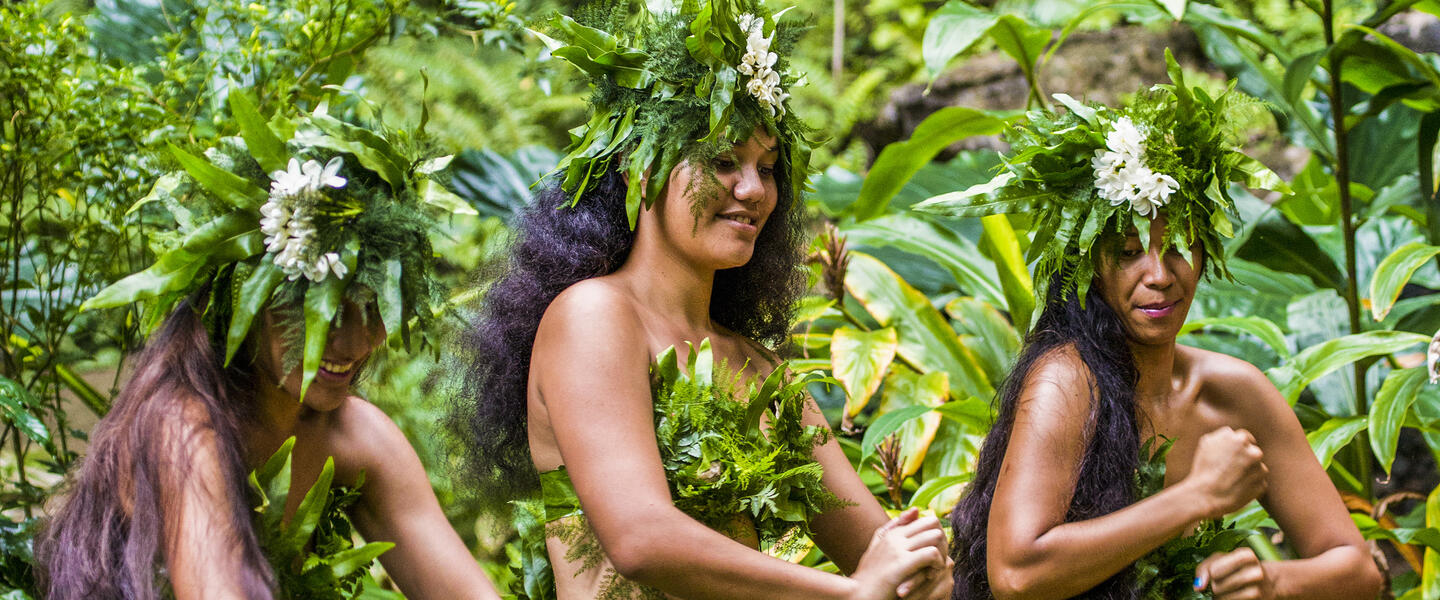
(269, 302)
(1117, 451)
(621, 353)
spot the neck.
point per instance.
(668, 283)
(1156, 366)
(277, 415)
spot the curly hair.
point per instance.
(556, 246)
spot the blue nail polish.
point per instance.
(1198, 584)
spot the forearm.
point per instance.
(1071, 558)
(682, 557)
(1340, 573)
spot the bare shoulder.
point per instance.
(1235, 387)
(1059, 384)
(362, 437)
(594, 317)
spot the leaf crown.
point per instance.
(680, 85)
(1096, 170)
(261, 222)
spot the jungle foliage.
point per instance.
(1336, 289)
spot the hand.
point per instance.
(900, 548)
(1227, 471)
(1236, 575)
(931, 583)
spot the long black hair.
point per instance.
(556, 246)
(1111, 455)
(108, 538)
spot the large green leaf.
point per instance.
(973, 273)
(373, 152)
(349, 561)
(233, 237)
(238, 191)
(952, 30)
(929, 491)
(990, 198)
(899, 161)
(1280, 245)
(1392, 404)
(1314, 362)
(312, 508)
(1262, 328)
(16, 403)
(1000, 244)
(1334, 435)
(926, 339)
(859, 360)
(254, 293)
(1430, 574)
(322, 303)
(260, 140)
(987, 333)
(1394, 272)
(887, 424)
(905, 388)
(1021, 40)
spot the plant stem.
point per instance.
(1347, 225)
(837, 48)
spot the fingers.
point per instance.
(901, 519)
(1232, 575)
(924, 585)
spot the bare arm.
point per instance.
(590, 367)
(1033, 552)
(398, 505)
(200, 552)
(1334, 561)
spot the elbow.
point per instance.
(1370, 580)
(1011, 583)
(633, 554)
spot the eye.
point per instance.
(1131, 251)
(767, 170)
(724, 163)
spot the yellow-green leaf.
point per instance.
(859, 360)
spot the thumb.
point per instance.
(1202, 576)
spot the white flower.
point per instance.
(759, 64)
(286, 219)
(750, 23)
(1121, 174)
(1126, 138)
(288, 182)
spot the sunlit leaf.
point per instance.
(1394, 272)
(1392, 404)
(859, 360)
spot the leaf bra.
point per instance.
(719, 460)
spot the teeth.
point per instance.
(335, 367)
(740, 219)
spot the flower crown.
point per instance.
(299, 213)
(677, 86)
(1095, 170)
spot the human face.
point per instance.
(348, 346)
(1148, 288)
(713, 214)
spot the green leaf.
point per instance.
(272, 482)
(1000, 244)
(1176, 8)
(233, 237)
(254, 293)
(322, 302)
(1262, 328)
(260, 140)
(17, 402)
(932, 488)
(434, 194)
(1298, 74)
(926, 339)
(920, 235)
(1280, 245)
(349, 561)
(987, 333)
(1321, 359)
(971, 412)
(885, 425)
(1430, 574)
(899, 161)
(373, 151)
(905, 388)
(233, 189)
(1021, 40)
(1392, 404)
(1334, 435)
(390, 297)
(859, 359)
(952, 30)
(312, 507)
(164, 187)
(1394, 272)
(990, 198)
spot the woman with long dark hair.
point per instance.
(1116, 451)
(271, 309)
(622, 354)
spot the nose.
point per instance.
(1157, 273)
(748, 188)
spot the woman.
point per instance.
(578, 356)
(1075, 494)
(161, 505)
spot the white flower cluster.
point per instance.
(759, 64)
(1122, 176)
(286, 219)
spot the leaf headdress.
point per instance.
(1095, 169)
(300, 214)
(678, 85)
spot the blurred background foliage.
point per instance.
(917, 317)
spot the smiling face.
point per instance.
(348, 346)
(712, 215)
(1148, 288)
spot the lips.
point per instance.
(1158, 310)
(741, 220)
(336, 371)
